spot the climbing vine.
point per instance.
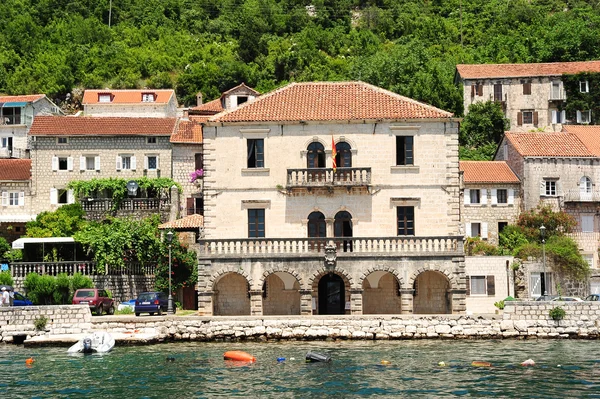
(582, 101)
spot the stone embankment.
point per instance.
(67, 324)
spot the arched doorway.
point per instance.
(281, 294)
(315, 155)
(317, 228)
(381, 294)
(231, 296)
(431, 293)
(342, 227)
(343, 158)
(332, 294)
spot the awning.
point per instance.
(16, 218)
(20, 243)
(14, 104)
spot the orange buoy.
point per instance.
(481, 364)
(29, 361)
(239, 356)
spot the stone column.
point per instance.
(306, 302)
(329, 227)
(205, 303)
(458, 300)
(256, 298)
(406, 299)
(356, 301)
(174, 203)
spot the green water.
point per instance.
(199, 371)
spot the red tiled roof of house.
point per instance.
(241, 86)
(487, 172)
(330, 101)
(588, 135)
(104, 126)
(15, 169)
(186, 222)
(25, 98)
(211, 107)
(481, 71)
(187, 132)
(554, 145)
(128, 96)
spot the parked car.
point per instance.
(130, 304)
(96, 298)
(21, 300)
(152, 302)
(593, 297)
(568, 299)
(546, 297)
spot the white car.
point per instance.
(567, 299)
(130, 304)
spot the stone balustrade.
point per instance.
(579, 196)
(87, 268)
(324, 177)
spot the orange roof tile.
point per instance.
(487, 172)
(188, 131)
(105, 126)
(128, 96)
(186, 222)
(211, 107)
(554, 145)
(330, 101)
(25, 98)
(588, 135)
(15, 169)
(481, 71)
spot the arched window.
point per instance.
(315, 156)
(316, 225)
(585, 188)
(342, 227)
(343, 159)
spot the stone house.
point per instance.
(17, 204)
(229, 100)
(16, 116)
(561, 170)
(186, 144)
(331, 198)
(491, 198)
(532, 95)
(149, 103)
(81, 148)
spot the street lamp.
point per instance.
(543, 234)
(170, 301)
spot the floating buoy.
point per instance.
(528, 362)
(280, 359)
(29, 361)
(292, 358)
(481, 364)
(239, 356)
(442, 364)
(170, 359)
(312, 357)
(386, 362)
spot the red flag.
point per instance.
(333, 154)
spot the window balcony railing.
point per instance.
(351, 246)
(87, 268)
(326, 177)
(579, 196)
(129, 204)
(557, 95)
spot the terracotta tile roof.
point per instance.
(329, 101)
(211, 108)
(26, 98)
(243, 87)
(481, 71)
(199, 118)
(554, 145)
(15, 169)
(487, 172)
(104, 126)
(128, 96)
(186, 222)
(588, 135)
(187, 132)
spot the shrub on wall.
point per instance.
(59, 290)
(6, 278)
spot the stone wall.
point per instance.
(486, 266)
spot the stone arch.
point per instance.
(281, 293)
(314, 279)
(274, 270)
(384, 269)
(317, 289)
(231, 293)
(215, 277)
(453, 283)
(432, 292)
(381, 291)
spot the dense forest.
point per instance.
(408, 46)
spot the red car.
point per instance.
(96, 298)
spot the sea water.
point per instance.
(564, 369)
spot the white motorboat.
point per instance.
(99, 342)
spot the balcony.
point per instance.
(87, 268)
(557, 95)
(346, 246)
(327, 178)
(129, 204)
(578, 196)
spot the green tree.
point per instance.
(481, 130)
(184, 267)
(63, 222)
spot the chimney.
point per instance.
(198, 99)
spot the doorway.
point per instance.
(331, 295)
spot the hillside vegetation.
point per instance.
(408, 46)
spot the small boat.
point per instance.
(99, 342)
(314, 357)
(239, 356)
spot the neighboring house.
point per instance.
(533, 96)
(563, 171)
(17, 204)
(188, 166)
(16, 116)
(331, 198)
(81, 148)
(491, 199)
(229, 100)
(151, 103)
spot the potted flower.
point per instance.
(196, 175)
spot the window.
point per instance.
(584, 86)
(584, 116)
(478, 285)
(404, 150)
(61, 196)
(151, 140)
(498, 92)
(62, 140)
(502, 196)
(555, 91)
(104, 98)
(343, 159)
(242, 99)
(472, 196)
(587, 223)
(559, 116)
(256, 223)
(406, 220)
(195, 205)
(90, 163)
(475, 230)
(13, 198)
(550, 188)
(526, 88)
(477, 89)
(148, 97)
(527, 117)
(502, 226)
(256, 153)
(198, 161)
(126, 162)
(10, 116)
(151, 162)
(540, 283)
(315, 155)
(63, 163)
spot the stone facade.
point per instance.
(14, 217)
(185, 161)
(495, 277)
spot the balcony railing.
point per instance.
(447, 245)
(129, 204)
(326, 177)
(578, 196)
(87, 268)
(557, 95)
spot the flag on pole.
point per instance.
(333, 155)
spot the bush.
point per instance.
(512, 237)
(499, 304)
(476, 246)
(567, 258)
(40, 289)
(557, 313)
(6, 278)
(126, 310)
(40, 323)
(63, 289)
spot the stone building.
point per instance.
(187, 157)
(17, 204)
(229, 100)
(331, 198)
(16, 116)
(532, 95)
(149, 103)
(491, 198)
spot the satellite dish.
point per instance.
(132, 188)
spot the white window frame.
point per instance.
(472, 292)
(148, 97)
(550, 188)
(482, 196)
(13, 198)
(584, 117)
(62, 140)
(56, 163)
(584, 86)
(54, 196)
(559, 116)
(94, 159)
(104, 98)
(147, 162)
(120, 164)
(483, 229)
